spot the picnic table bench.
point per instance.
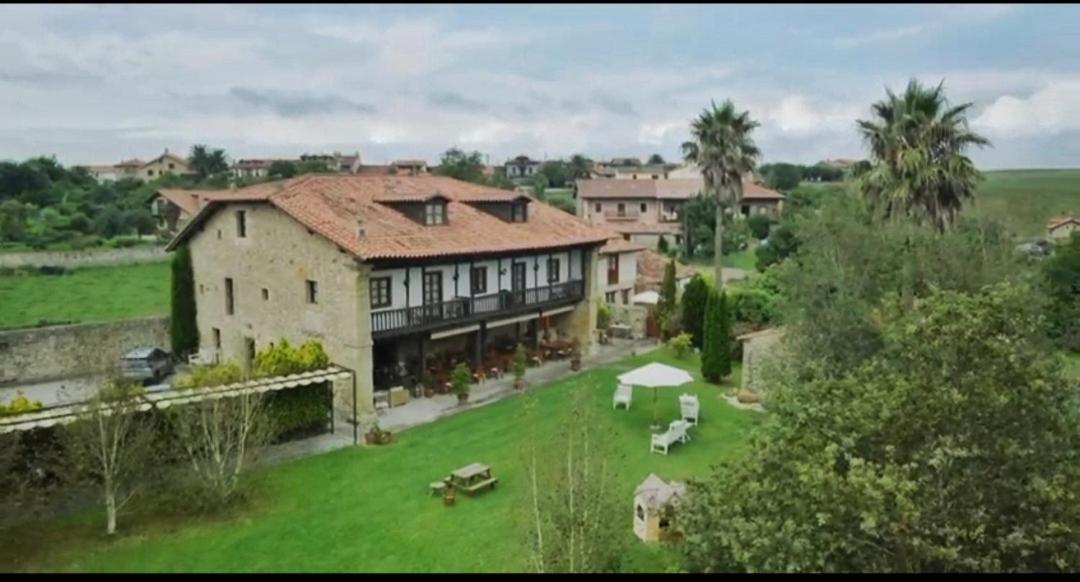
(472, 478)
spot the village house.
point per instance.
(256, 168)
(166, 163)
(522, 167)
(645, 210)
(395, 275)
(1060, 228)
(617, 270)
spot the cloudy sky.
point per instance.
(94, 84)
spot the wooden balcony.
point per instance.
(463, 310)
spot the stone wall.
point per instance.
(84, 258)
(759, 349)
(632, 315)
(65, 351)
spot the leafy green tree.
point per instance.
(557, 173)
(656, 160)
(917, 145)
(716, 351)
(206, 162)
(183, 328)
(952, 449)
(782, 176)
(1061, 283)
(781, 244)
(282, 169)
(695, 297)
(662, 245)
(725, 152)
(539, 183)
(458, 164)
(311, 167)
(13, 216)
(580, 167)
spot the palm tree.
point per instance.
(724, 151)
(918, 167)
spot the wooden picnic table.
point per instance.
(472, 478)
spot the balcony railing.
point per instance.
(624, 215)
(473, 308)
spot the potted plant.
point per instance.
(376, 436)
(429, 385)
(518, 367)
(460, 379)
(575, 355)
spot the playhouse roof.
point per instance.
(654, 492)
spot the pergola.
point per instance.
(69, 412)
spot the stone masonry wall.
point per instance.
(65, 351)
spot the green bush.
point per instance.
(227, 372)
(759, 225)
(297, 412)
(19, 405)
(603, 315)
(461, 379)
(518, 366)
(694, 297)
(281, 359)
(755, 306)
(183, 329)
(716, 353)
(681, 345)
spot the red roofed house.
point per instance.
(644, 210)
(1061, 227)
(390, 273)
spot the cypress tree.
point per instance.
(183, 330)
(694, 298)
(716, 353)
(668, 299)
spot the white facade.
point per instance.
(536, 275)
(620, 291)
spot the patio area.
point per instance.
(424, 410)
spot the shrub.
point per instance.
(281, 359)
(662, 245)
(603, 315)
(227, 372)
(461, 379)
(759, 225)
(681, 345)
(19, 405)
(518, 366)
(755, 306)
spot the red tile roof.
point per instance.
(620, 245)
(650, 270)
(333, 205)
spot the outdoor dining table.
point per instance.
(472, 478)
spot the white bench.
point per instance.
(661, 442)
(623, 395)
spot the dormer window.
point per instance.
(518, 212)
(435, 212)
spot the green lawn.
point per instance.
(85, 295)
(1025, 199)
(369, 509)
(745, 260)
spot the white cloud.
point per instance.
(1054, 108)
(877, 36)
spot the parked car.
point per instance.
(146, 365)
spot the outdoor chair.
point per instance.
(623, 395)
(689, 406)
(382, 400)
(679, 429)
(661, 442)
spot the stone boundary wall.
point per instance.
(84, 258)
(65, 351)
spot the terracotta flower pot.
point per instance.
(575, 364)
(428, 392)
(519, 383)
(462, 397)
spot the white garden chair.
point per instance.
(689, 406)
(679, 429)
(623, 395)
(661, 442)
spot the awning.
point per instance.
(558, 310)
(69, 412)
(518, 319)
(455, 331)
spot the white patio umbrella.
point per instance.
(646, 298)
(656, 375)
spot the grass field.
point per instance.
(85, 295)
(1024, 200)
(369, 509)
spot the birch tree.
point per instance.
(112, 444)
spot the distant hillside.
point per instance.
(1023, 200)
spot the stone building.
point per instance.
(388, 271)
